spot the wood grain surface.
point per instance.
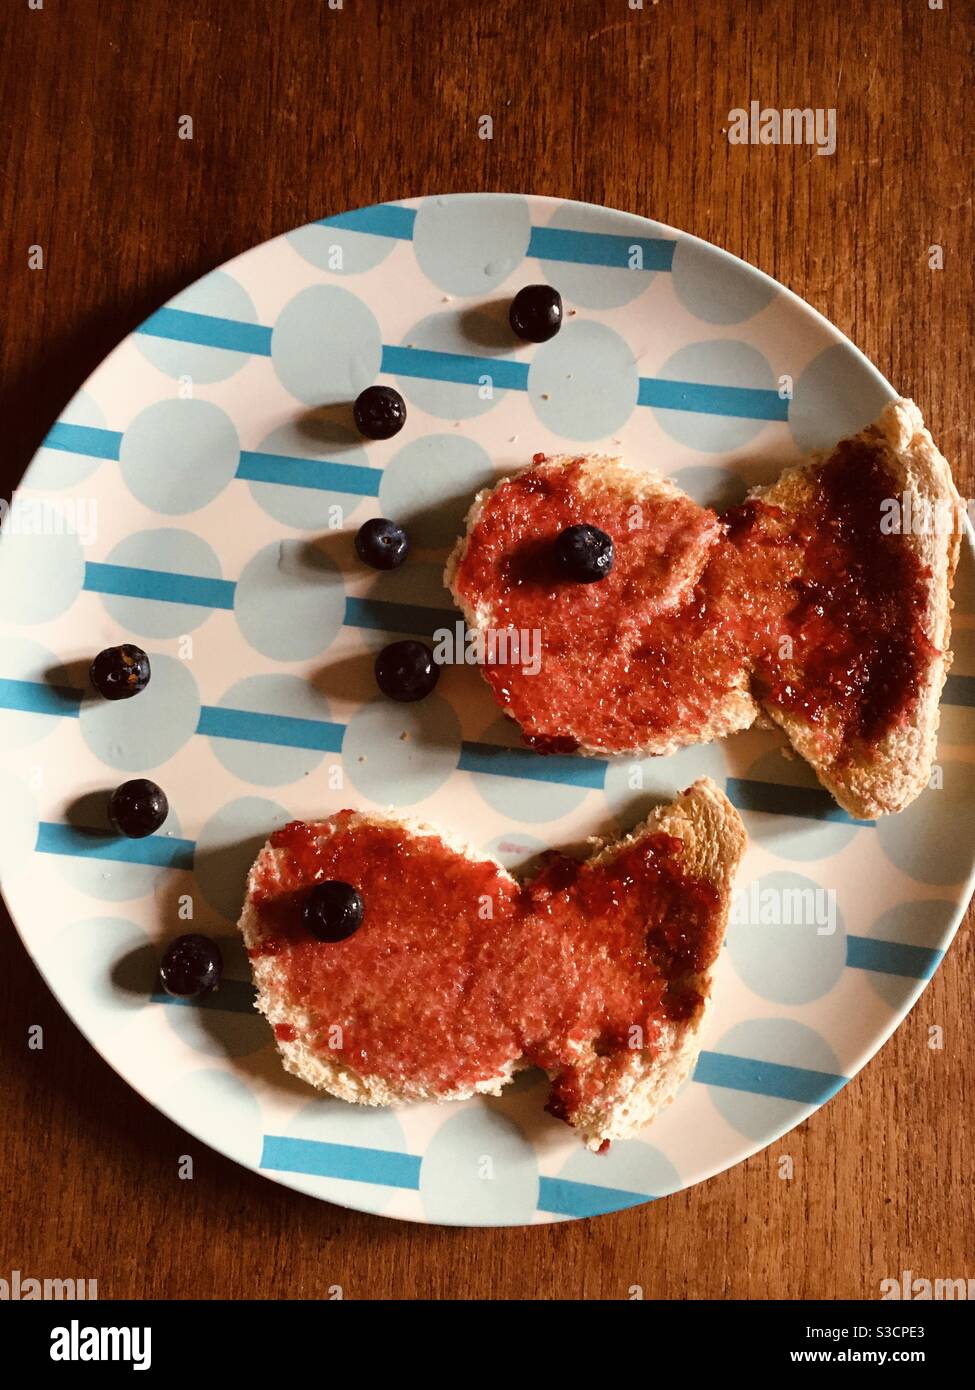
(301, 110)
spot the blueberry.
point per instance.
(192, 965)
(333, 910)
(380, 412)
(137, 808)
(381, 543)
(406, 670)
(536, 313)
(119, 672)
(585, 553)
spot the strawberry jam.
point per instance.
(816, 611)
(458, 971)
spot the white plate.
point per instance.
(201, 495)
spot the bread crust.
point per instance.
(714, 842)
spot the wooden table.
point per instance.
(300, 110)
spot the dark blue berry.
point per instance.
(585, 553)
(192, 965)
(119, 672)
(536, 313)
(381, 543)
(380, 412)
(137, 808)
(406, 670)
(333, 910)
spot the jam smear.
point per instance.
(817, 611)
(458, 970)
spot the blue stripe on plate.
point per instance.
(457, 367)
(282, 730)
(599, 248)
(810, 803)
(208, 330)
(747, 402)
(960, 690)
(83, 439)
(533, 767)
(37, 697)
(385, 219)
(165, 851)
(320, 474)
(381, 616)
(892, 957)
(161, 585)
(767, 1078)
(382, 1166)
(565, 1198)
(232, 996)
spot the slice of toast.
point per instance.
(876, 776)
(599, 971)
(615, 657)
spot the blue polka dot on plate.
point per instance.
(800, 819)
(479, 1170)
(786, 937)
(112, 880)
(27, 664)
(217, 295)
(398, 754)
(781, 1041)
(470, 334)
(429, 486)
(931, 840)
(516, 850)
(200, 1099)
(178, 455)
(102, 964)
(714, 362)
(224, 1023)
(62, 468)
(328, 1122)
(24, 556)
(524, 798)
(927, 923)
(583, 383)
(470, 245)
(279, 699)
(730, 292)
(169, 551)
(290, 601)
(718, 488)
(340, 250)
(635, 785)
(831, 401)
(147, 729)
(615, 237)
(628, 1166)
(326, 346)
(312, 505)
(227, 846)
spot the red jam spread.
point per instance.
(695, 601)
(457, 970)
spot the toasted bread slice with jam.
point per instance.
(599, 971)
(894, 470)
